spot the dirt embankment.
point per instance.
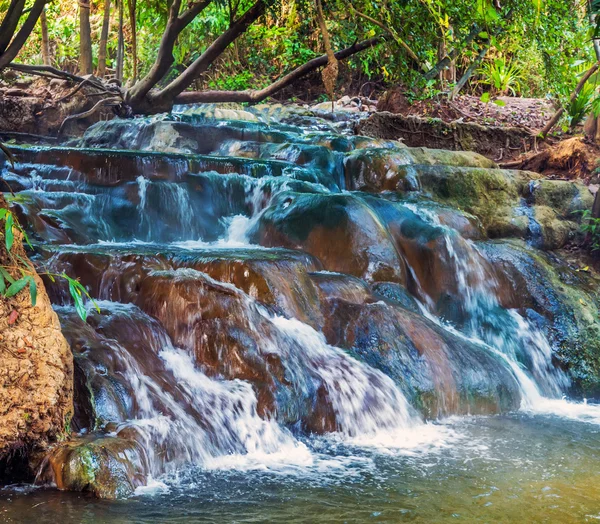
(36, 374)
(37, 106)
(497, 143)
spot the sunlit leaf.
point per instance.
(32, 290)
(16, 286)
(9, 234)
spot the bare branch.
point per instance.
(255, 96)
(42, 70)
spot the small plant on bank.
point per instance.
(591, 227)
(502, 76)
(11, 285)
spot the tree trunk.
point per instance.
(10, 23)
(411, 54)
(591, 127)
(121, 45)
(101, 72)
(164, 60)
(11, 43)
(330, 73)
(133, 23)
(45, 41)
(469, 72)
(85, 39)
(165, 97)
(556, 117)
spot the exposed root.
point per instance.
(101, 103)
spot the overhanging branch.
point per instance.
(258, 95)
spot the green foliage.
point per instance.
(579, 108)
(502, 76)
(534, 43)
(591, 226)
(11, 286)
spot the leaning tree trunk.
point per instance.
(45, 40)
(11, 40)
(85, 39)
(101, 71)
(330, 73)
(591, 127)
(121, 45)
(133, 23)
(556, 117)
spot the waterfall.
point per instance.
(234, 347)
(522, 344)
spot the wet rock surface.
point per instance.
(265, 277)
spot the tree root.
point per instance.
(101, 103)
(86, 81)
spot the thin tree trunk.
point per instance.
(256, 96)
(16, 42)
(85, 39)
(445, 62)
(202, 63)
(412, 55)
(45, 40)
(469, 72)
(101, 72)
(556, 117)
(120, 45)
(133, 23)
(592, 123)
(330, 73)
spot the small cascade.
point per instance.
(481, 318)
(366, 402)
(178, 414)
(166, 203)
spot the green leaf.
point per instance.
(6, 275)
(76, 294)
(500, 103)
(3, 212)
(2, 285)
(484, 35)
(32, 290)
(15, 287)
(25, 237)
(9, 235)
(485, 98)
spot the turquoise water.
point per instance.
(520, 468)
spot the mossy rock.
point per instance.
(567, 199)
(568, 301)
(108, 467)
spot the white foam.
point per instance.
(152, 487)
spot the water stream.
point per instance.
(275, 346)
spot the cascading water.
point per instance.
(255, 317)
